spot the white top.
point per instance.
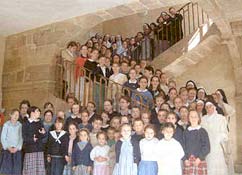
(169, 155)
(118, 78)
(100, 151)
(147, 149)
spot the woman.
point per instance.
(216, 126)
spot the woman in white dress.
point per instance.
(216, 126)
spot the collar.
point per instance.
(31, 120)
(69, 52)
(139, 90)
(57, 138)
(91, 60)
(196, 128)
(135, 81)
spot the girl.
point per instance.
(155, 86)
(75, 117)
(142, 96)
(127, 153)
(124, 103)
(115, 122)
(183, 122)
(99, 155)
(178, 133)
(72, 140)
(124, 119)
(105, 125)
(33, 133)
(115, 83)
(57, 148)
(169, 152)
(172, 93)
(91, 108)
(146, 117)
(81, 154)
(197, 147)
(85, 119)
(148, 164)
(159, 99)
(12, 141)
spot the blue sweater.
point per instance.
(196, 143)
(144, 97)
(81, 157)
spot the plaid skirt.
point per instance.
(34, 164)
(201, 169)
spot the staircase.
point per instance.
(174, 60)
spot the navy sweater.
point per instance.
(136, 150)
(28, 132)
(196, 143)
(81, 157)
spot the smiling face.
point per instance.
(14, 116)
(143, 83)
(102, 139)
(194, 118)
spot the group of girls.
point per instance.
(73, 153)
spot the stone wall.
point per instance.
(2, 51)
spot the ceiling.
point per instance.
(20, 15)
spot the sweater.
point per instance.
(12, 135)
(81, 157)
(58, 143)
(196, 143)
(29, 129)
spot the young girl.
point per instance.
(96, 127)
(99, 155)
(145, 117)
(57, 148)
(142, 97)
(169, 153)
(115, 122)
(12, 141)
(75, 116)
(148, 164)
(105, 117)
(127, 153)
(85, 121)
(183, 122)
(197, 147)
(72, 140)
(178, 133)
(33, 133)
(159, 99)
(81, 154)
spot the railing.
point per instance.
(90, 87)
(189, 18)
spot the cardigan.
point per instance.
(81, 157)
(196, 143)
(136, 150)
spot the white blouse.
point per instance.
(147, 149)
